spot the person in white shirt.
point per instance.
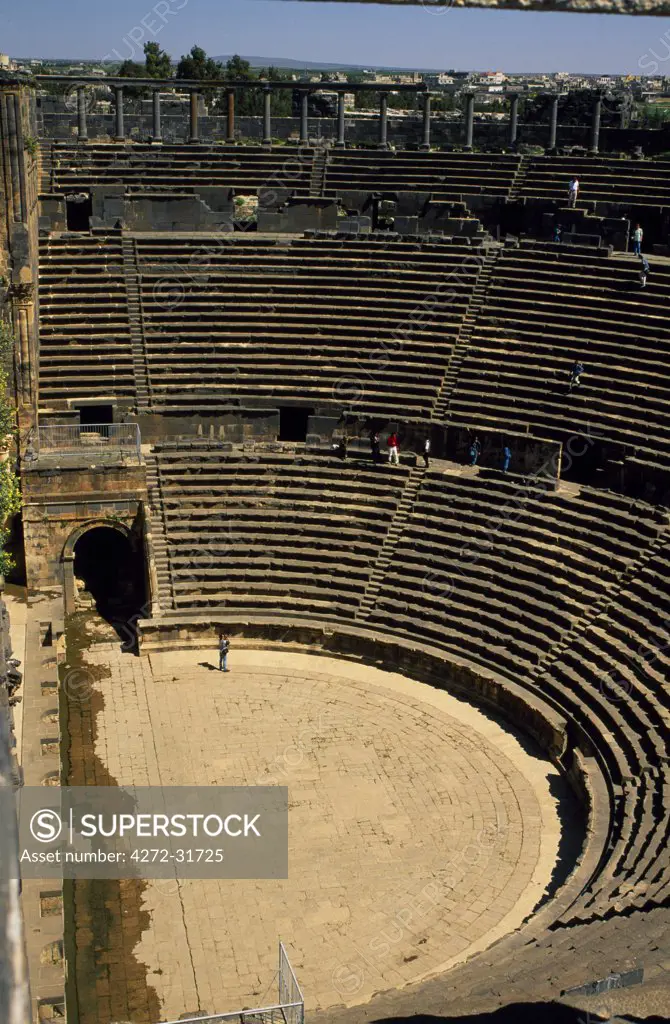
(637, 240)
(573, 192)
(426, 452)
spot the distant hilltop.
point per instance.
(290, 62)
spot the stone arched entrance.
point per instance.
(108, 558)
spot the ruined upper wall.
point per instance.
(438, 7)
(19, 246)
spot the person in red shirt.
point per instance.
(393, 448)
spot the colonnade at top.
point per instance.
(195, 89)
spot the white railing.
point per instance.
(77, 439)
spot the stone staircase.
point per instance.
(317, 181)
(393, 534)
(516, 188)
(476, 304)
(135, 321)
(161, 558)
(46, 167)
(600, 606)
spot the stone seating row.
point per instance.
(541, 313)
(442, 174)
(280, 533)
(622, 662)
(349, 318)
(84, 324)
(604, 180)
(504, 580)
(142, 166)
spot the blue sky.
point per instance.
(340, 32)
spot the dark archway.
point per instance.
(111, 569)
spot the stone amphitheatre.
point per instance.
(458, 669)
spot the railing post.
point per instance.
(426, 122)
(194, 127)
(82, 127)
(513, 118)
(383, 120)
(553, 123)
(341, 143)
(230, 123)
(469, 118)
(267, 116)
(304, 118)
(120, 127)
(595, 124)
(157, 135)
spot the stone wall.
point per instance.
(19, 253)
(61, 501)
(14, 993)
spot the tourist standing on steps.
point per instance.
(637, 240)
(426, 452)
(644, 270)
(558, 231)
(575, 374)
(507, 458)
(375, 448)
(475, 451)
(573, 192)
(393, 448)
(224, 647)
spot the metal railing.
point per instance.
(83, 439)
(289, 1010)
(290, 995)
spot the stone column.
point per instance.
(157, 136)
(469, 118)
(195, 126)
(595, 123)
(120, 128)
(513, 118)
(267, 116)
(383, 120)
(553, 122)
(82, 131)
(304, 115)
(340, 121)
(230, 127)
(426, 122)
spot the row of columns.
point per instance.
(468, 118)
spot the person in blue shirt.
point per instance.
(575, 374)
(507, 458)
(644, 270)
(475, 451)
(224, 647)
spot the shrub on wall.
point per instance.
(10, 494)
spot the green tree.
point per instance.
(131, 69)
(197, 64)
(157, 62)
(238, 70)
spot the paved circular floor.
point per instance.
(420, 829)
